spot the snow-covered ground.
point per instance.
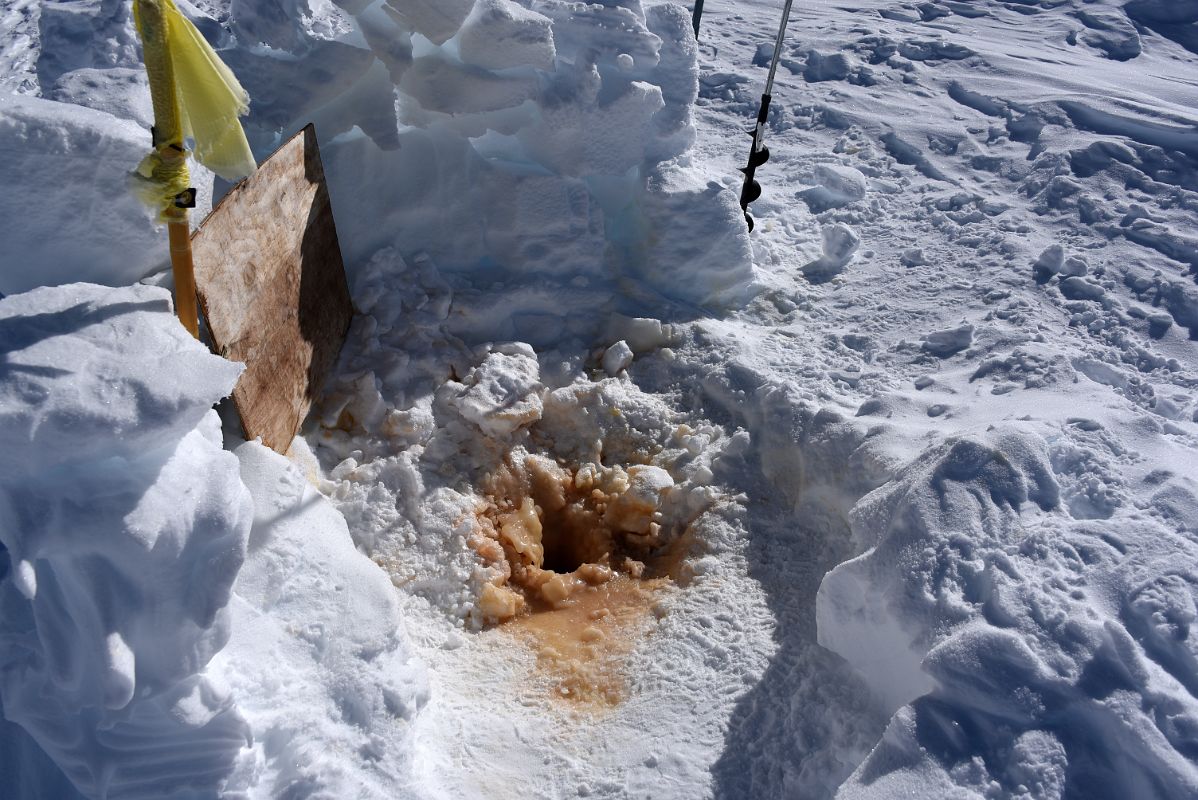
(899, 494)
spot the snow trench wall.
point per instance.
(123, 524)
(532, 141)
(1017, 650)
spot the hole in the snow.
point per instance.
(578, 558)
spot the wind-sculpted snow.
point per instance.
(1026, 654)
(959, 495)
(124, 524)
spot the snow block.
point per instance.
(327, 83)
(545, 224)
(81, 223)
(125, 524)
(436, 20)
(699, 251)
(411, 197)
(500, 34)
(677, 74)
(439, 84)
(503, 393)
(278, 24)
(601, 32)
(836, 186)
(599, 138)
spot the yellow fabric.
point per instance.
(158, 181)
(207, 96)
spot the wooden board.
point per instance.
(272, 287)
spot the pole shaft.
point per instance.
(161, 74)
(168, 141)
(184, 269)
(769, 83)
(698, 15)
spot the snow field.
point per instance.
(921, 447)
(960, 341)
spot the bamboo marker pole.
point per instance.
(168, 141)
(179, 235)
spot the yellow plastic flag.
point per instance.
(195, 97)
(204, 93)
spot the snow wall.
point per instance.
(531, 139)
(124, 524)
(536, 141)
(174, 619)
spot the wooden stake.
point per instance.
(184, 270)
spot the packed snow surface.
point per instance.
(895, 497)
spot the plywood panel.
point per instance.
(272, 287)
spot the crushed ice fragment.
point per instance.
(617, 358)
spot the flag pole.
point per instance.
(168, 167)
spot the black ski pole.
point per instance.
(759, 153)
(698, 15)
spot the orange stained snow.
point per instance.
(582, 646)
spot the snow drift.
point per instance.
(972, 615)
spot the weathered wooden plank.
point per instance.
(271, 285)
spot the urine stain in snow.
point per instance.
(582, 646)
(581, 567)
